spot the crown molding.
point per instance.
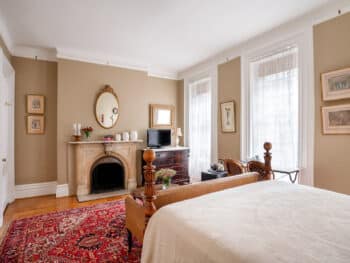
(35, 53)
(102, 59)
(163, 75)
(286, 30)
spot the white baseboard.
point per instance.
(31, 190)
(62, 190)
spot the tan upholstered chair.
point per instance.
(258, 167)
(233, 167)
(135, 212)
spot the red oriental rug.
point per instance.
(89, 234)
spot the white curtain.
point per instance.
(199, 127)
(274, 107)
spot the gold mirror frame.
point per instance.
(106, 89)
(154, 108)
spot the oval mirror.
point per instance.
(107, 108)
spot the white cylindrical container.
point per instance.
(118, 137)
(125, 136)
(133, 135)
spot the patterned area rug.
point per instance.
(89, 234)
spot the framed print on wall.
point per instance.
(336, 119)
(35, 124)
(35, 104)
(336, 84)
(162, 116)
(228, 116)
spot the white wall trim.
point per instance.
(35, 53)
(62, 190)
(102, 59)
(163, 75)
(31, 190)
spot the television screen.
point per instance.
(158, 138)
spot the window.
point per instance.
(199, 126)
(274, 107)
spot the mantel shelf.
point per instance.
(105, 142)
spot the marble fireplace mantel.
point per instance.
(86, 153)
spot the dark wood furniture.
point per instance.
(234, 167)
(174, 158)
(211, 174)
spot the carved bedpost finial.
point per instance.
(267, 157)
(149, 156)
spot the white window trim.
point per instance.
(304, 41)
(212, 74)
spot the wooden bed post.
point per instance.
(150, 194)
(267, 157)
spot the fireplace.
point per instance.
(107, 174)
(89, 154)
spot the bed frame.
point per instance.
(264, 170)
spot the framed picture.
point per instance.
(228, 116)
(336, 84)
(336, 119)
(35, 104)
(35, 124)
(162, 116)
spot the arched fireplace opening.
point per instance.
(107, 174)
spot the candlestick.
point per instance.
(79, 129)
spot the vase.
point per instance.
(166, 183)
(87, 134)
(118, 137)
(125, 136)
(133, 135)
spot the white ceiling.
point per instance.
(163, 35)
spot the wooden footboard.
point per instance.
(264, 169)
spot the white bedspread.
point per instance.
(260, 222)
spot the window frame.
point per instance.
(304, 42)
(211, 74)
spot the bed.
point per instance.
(267, 221)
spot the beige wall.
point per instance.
(332, 152)
(180, 108)
(35, 155)
(229, 88)
(78, 85)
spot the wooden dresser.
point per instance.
(174, 158)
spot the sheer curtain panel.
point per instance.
(274, 107)
(199, 127)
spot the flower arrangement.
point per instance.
(87, 131)
(165, 175)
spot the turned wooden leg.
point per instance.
(129, 240)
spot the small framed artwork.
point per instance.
(162, 116)
(336, 119)
(336, 84)
(35, 124)
(35, 104)
(228, 116)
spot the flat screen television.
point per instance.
(158, 138)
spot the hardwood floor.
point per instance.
(28, 207)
